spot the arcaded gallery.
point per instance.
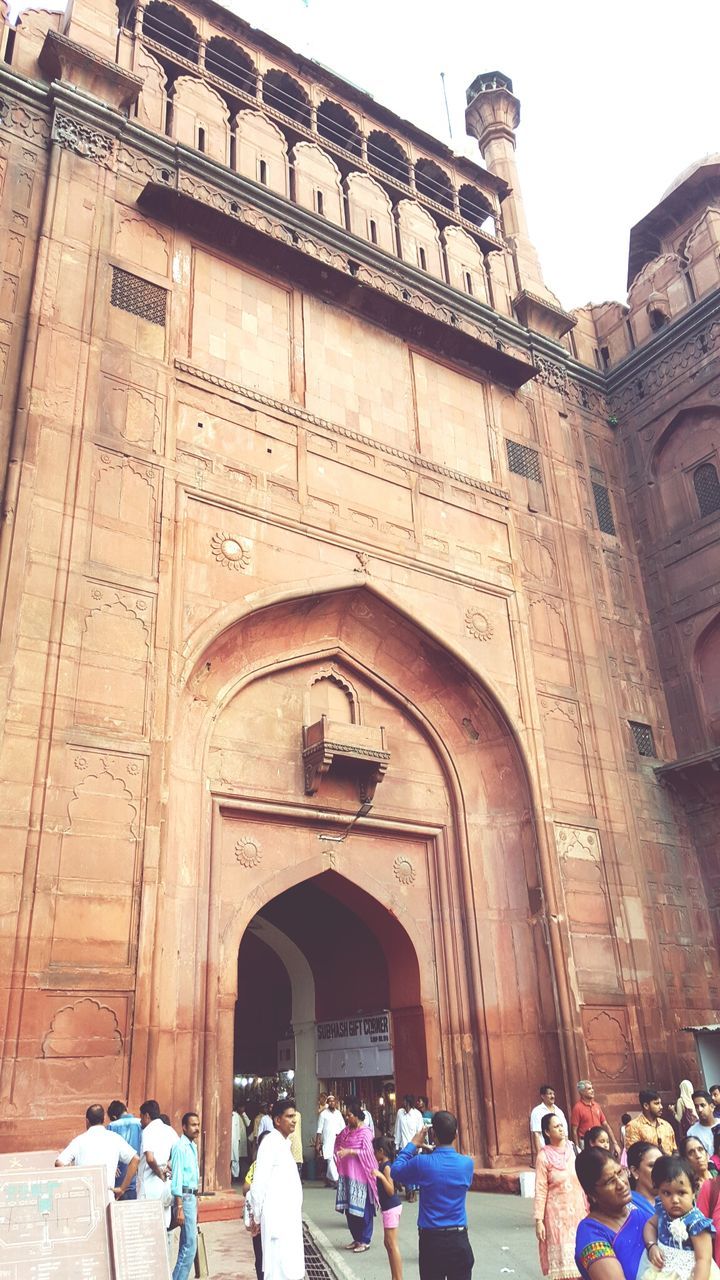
(360, 647)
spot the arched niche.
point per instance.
(657, 294)
(687, 443)
(29, 35)
(317, 182)
(201, 118)
(450, 843)
(330, 693)
(707, 668)
(261, 151)
(466, 265)
(419, 238)
(151, 105)
(701, 252)
(370, 211)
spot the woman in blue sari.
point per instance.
(609, 1242)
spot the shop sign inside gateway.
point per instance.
(356, 1046)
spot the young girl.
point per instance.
(390, 1205)
(678, 1237)
(598, 1136)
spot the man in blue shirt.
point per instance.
(130, 1129)
(444, 1178)
(185, 1186)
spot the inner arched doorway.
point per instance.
(348, 963)
(448, 851)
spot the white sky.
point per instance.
(617, 98)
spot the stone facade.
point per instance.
(293, 428)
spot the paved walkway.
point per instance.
(501, 1234)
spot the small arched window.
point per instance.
(433, 182)
(707, 488)
(167, 26)
(285, 94)
(337, 125)
(388, 156)
(229, 62)
(474, 206)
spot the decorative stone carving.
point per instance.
(16, 118)
(403, 870)
(91, 144)
(557, 378)
(607, 1042)
(107, 793)
(230, 552)
(113, 661)
(673, 364)
(552, 375)
(248, 852)
(85, 1029)
(576, 842)
(478, 625)
(359, 745)
(124, 501)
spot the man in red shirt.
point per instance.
(586, 1113)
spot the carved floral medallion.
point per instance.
(230, 552)
(248, 852)
(478, 625)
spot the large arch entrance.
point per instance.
(438, 848)
(323, 970)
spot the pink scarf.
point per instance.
(361, 1165)
(558, 1157)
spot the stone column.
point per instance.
(492, 116)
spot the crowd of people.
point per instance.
(367, 1174)
(604, 1209)
(629, 1209)
(145, 1158)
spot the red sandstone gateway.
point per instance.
(360, 643)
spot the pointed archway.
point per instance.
(449, 848)
(347, 959)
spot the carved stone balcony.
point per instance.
(359, 748)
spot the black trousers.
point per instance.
(445, 1255)
(257, 1250)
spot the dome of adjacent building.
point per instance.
(713, 158)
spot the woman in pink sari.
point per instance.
(356, 1161)
(559, 1201)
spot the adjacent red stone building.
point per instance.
(361, 615)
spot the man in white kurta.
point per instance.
(330, 1124)
(408, 1123)
(157, 1142)
(275, 1199)
(238, 1144)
